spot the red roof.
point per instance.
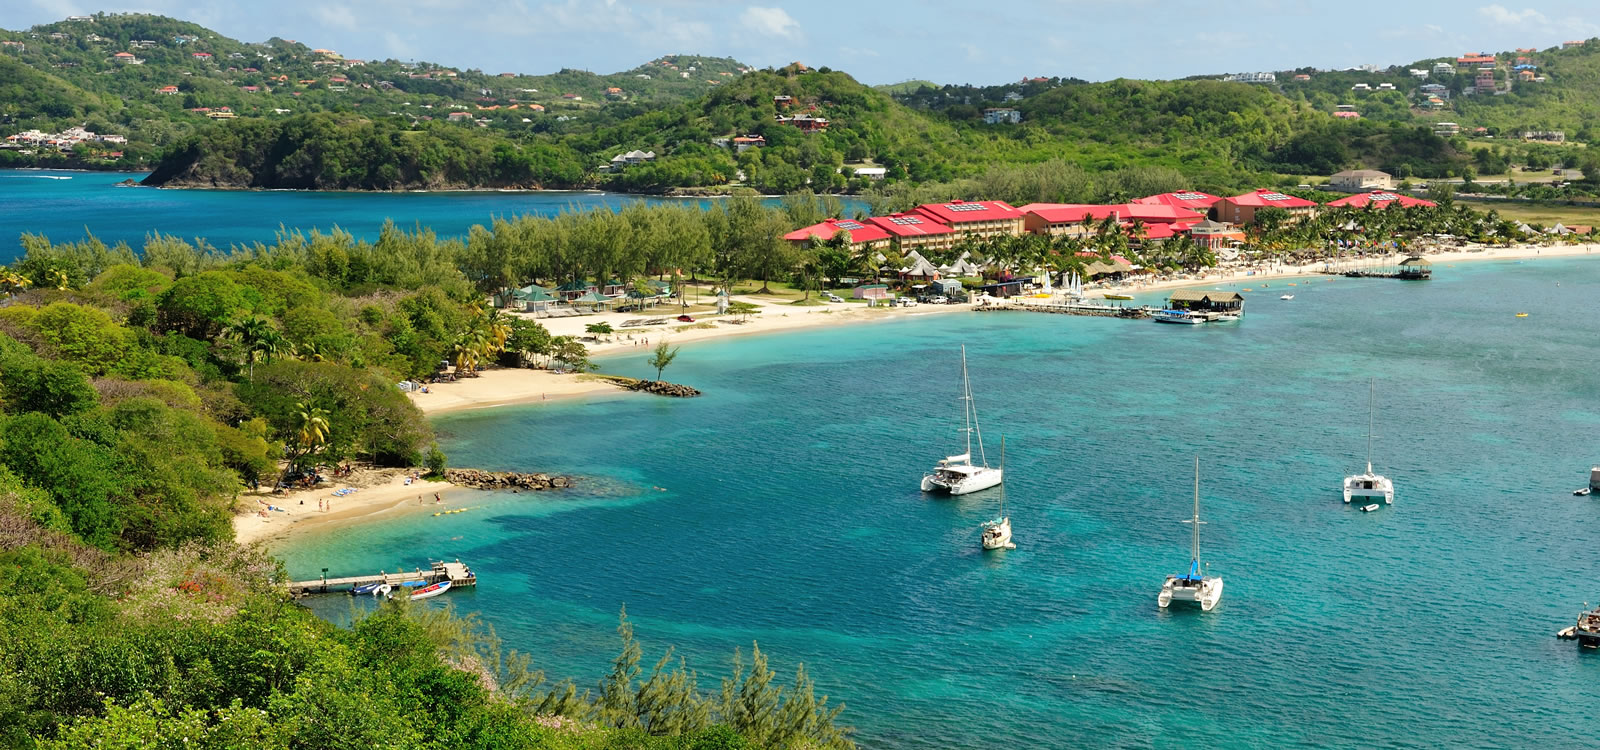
(1382, 200)
(1193, 200)
(1264, 197)
(1057, 213)
(859, 231)
(1470, 59)
(909, 225)
(964, 212)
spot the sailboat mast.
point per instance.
(966, 401)
(973, 426)
(1002, 468)
(1194, 552)
(1371, 411)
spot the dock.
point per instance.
(1414, 268)
(1073, 308)
(457, 573)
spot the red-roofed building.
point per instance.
(1192, 200)
(865, 234)
(1068, 218)
(913, 231)
(169, 90)
(1478, 59)
(201, 55)
(1381, 199)
(1241, 209)
(974, 218)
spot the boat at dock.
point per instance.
(1108, 295)
(1193, 586)
(1369, 484)
(431, 591)
(958, 475)
(1180, 317)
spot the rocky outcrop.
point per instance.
(506, 480)
(663, 388)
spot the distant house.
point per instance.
(1546, 136)
(1361, 87)
(806, 123)
(1242, 209)
(572, 97)
(1571, 44)
(1345, 114)
(250, 89)
(745, 142)
(168, 90)
(1418, 72)
(782, 101)
(614, 92)
(871, 173)
(1446, 128)
(1302, 77)
(1475, 60)
(1386, 87)
(201, 55)
(1360, 180)
(999, 115)
(124, 57)
(1443, 68)
(459, 116)
(1206, 300)
(1486, 82)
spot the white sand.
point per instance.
(380, 491)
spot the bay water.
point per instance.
(65, 205)
(783, 507)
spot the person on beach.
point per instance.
(438, 500)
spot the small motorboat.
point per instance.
(431, 591)
(1287, 296)
(1117, 296)
(370, 588)
(1522, 315)
(1370, 508)
(1582, 491)
(1227, 318)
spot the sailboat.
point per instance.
(957, 475)
(997, 533)
(1193, 586)
(1369, 484)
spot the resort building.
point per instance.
(1069, 219)
(1358, 180)
(1190, 199)
(1380, 200)
(1215, 234)
(1546, 136)
(1265, 78)
(1241, 209)
(974, 218)
(866, 235)
(912, 231)
(744, 143)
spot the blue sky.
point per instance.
(881, 41)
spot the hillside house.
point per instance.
(1361, 87)
(744, 143)
(871, 173)
(1443, 69)
(1545, 136)
(806, 123)
(1572, 44)
(1262, 78)
(1002, 115)
(1361, 180)
(1215, 234)
(168, 90)
(459, 116)
(1446, 128)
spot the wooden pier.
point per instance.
(1074, 308)
(1413, 268)
(457, 573)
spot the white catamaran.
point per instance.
(1193, 586)
(957, 475)
(1369, 484)
(997, 533)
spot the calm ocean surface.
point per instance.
(41, 202)
(790, 515)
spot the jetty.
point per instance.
(457, 573)
(1072, 308)
(1414, 268)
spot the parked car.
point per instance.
(940, 300)
(685, 319)
(831, 297)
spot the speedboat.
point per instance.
(1369, 484)
(1181, 317)
(1193, 586)
(1369, 508)
(1287, 296)
(958, 475)
(1228, 318)
(1109, 295)
(431, 591)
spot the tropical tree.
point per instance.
(258, 341)
(311, 433)
(599, 329)
(662, 357)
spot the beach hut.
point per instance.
(530, 298)
(1415, 267)
(575, 289)
(592, 299)
(1204, 300)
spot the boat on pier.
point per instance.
(456, 573)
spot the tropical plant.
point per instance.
(662, 357)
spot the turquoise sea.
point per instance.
(62, 205)
(782, 507)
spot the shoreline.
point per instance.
(378, 491)
(510, 386)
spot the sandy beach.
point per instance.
(498, 387)
(378, 491)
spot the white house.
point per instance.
(999, 115)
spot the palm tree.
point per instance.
(257, 339)
(311, 433)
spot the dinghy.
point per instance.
(431, 591)
(1370, 508)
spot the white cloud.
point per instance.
(1504, 16)
(337, 16)
(770, 21)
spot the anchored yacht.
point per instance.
(1369, 484)
(958, 475)
(1193, 586)
(997, 533)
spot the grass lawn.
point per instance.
(1536, 213)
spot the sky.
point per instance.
(880, 41)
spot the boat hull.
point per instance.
(973, 483)
(1208, 594)
(1370, 486)
(996, 536)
